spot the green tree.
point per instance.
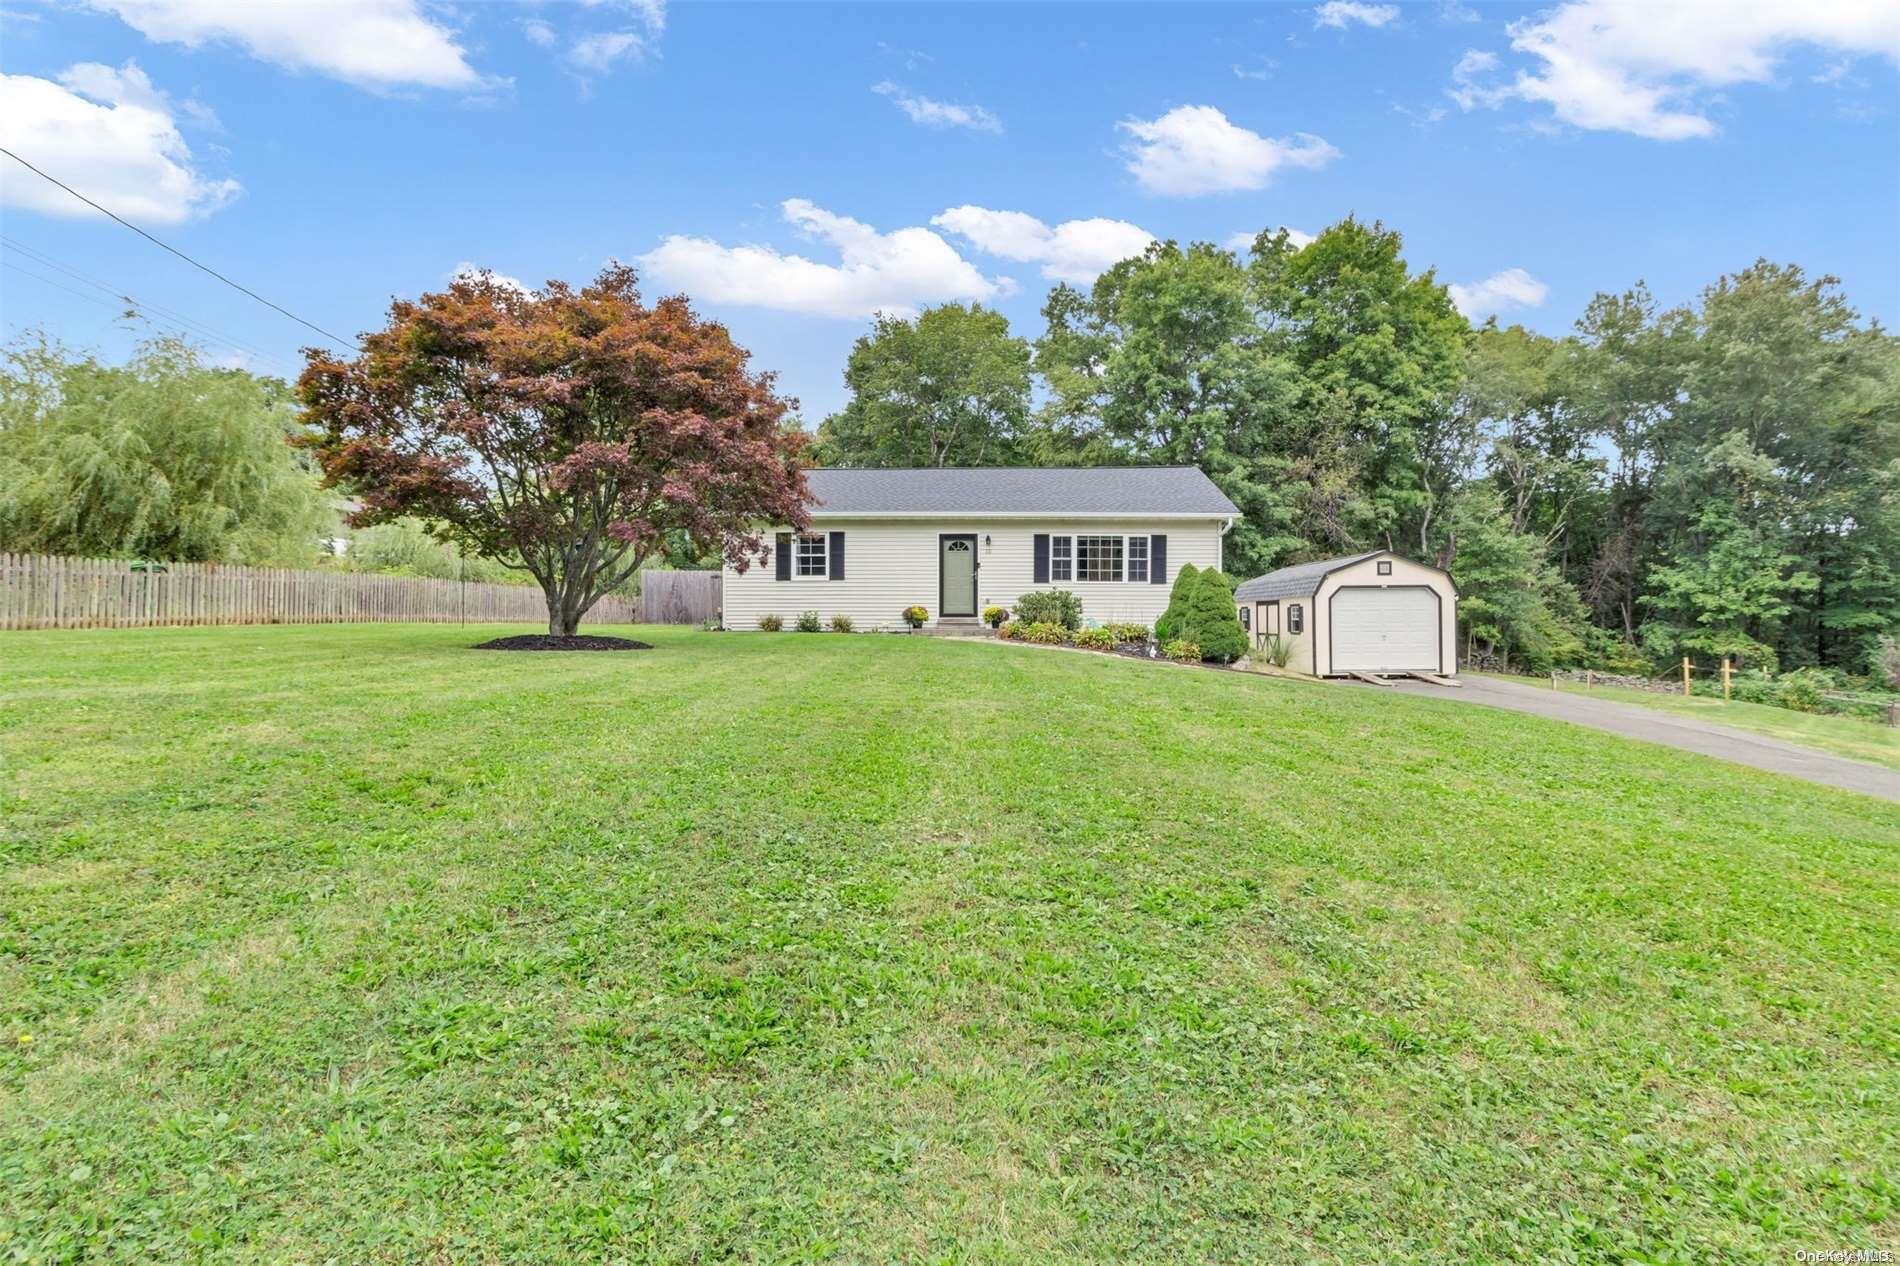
(1624, 380)
(1736, 578)
(1211, 620)
(950, 388)
(163, 457)
(1513, 605)
(1377, 346)
(1162, 362)
(407, 547)
(1171, 623)
(1783, 362)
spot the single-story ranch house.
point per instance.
(1368, 613)
(955, 541)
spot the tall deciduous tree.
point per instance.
(950, 388)
(565, 432)
(163, 457)
(1379, 347)
(1162, 362)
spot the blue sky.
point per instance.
(797, 167)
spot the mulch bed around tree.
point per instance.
(548, 642)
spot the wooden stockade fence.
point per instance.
(42, 592)
(680, 597)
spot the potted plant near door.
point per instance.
(915, 617)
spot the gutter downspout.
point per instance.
(1220, 544)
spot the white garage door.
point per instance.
(1385, 630)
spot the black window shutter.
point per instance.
(837, 556)
(784, 555)
(1042, 558)
(1158, 560)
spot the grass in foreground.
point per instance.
(1839, 736)
(352, 944)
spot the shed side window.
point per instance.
(1295, 618)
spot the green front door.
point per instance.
(956, 596)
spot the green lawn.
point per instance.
(1840, 736)
(351, 944)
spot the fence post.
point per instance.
(1685, 676)
(1893, 713)
(1725, 678)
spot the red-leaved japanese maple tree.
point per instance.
(563, 432)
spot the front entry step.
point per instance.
(953, 627)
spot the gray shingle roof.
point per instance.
(1298, 581)
(1024, 490)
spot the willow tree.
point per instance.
(162, 457)
(568, 433)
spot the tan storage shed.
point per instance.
(1365, 613)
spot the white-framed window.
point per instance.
(1138, 558)
(812, 555)
(1295, 618)
(1098, 558)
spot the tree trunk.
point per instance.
(564, 616)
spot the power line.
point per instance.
(172, 315)
(119, 292)
(129, 307)
(28, 272)
(341, 342)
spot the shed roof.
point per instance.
(1298, 581)
(1135, 491)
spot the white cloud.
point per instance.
(1074, 250)
(877, 272)
(1512, 288)
(109, 134)
(1467, 86)
(373, 43)
(1244, 241)
(1647, 66)
(1343, 13)
(652, 12)
(598, 52)
(938, 113)
(466, 271)
(1193, 150)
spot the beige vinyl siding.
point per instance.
(892, 563)
(1270, 617)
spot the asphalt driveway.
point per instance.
(1689, 733)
